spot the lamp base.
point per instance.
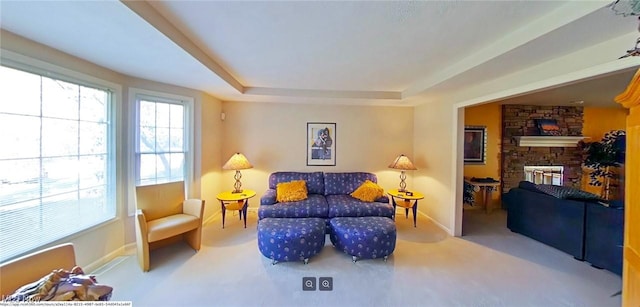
(237, 187)
(403, 185)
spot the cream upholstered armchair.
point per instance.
(164, 215)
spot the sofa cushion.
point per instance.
(345, 183)
(315, 180)
(268, 198)
(314, 206)
(347, 206)
(291, 191)
(563, 192)
(368, 191)
(529, 186)
(170, 226)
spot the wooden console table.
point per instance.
(487, 189)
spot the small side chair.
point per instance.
(162, 214)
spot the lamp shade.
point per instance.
(402, 162)
(237, 162)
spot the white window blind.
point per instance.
(56, 162)
(161, 143)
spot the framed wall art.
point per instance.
(475, 144)
(321, 144)
(547, 127)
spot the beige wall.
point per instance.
(433, 141)
(273, 137)
(211, 140)
(113, 236)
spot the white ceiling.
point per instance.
(360, 52)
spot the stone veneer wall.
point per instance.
(518, 120)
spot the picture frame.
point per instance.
(475, 145)
(321, 144)
(547, 127)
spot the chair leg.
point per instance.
(194, 238)
(143, 255)
(142, 245)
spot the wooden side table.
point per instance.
(487, 188)
(235, 201)
(406, 202)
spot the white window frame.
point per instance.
(116, 184)
(135, 94)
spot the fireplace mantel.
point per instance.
(548, 141)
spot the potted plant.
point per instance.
(604, 157)
(469, 194)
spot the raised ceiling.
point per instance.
(321, 51)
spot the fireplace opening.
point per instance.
(544, 174)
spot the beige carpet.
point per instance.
(489, 266)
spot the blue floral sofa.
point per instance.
(364, 230)
(328, 197)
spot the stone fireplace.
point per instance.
(519, 120)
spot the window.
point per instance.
(57, 166)
(161, 139)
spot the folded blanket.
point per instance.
(63, 285)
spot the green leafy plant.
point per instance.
(468, 195)
(601, 156)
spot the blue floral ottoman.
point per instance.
(368, 237)
(291, 239)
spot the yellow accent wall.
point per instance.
(598, 121)
(489, 115)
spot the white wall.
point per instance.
(273, 137)
(107, 240)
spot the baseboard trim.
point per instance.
(103, 260)
(209, 220)
(218, 213)
(445, 229)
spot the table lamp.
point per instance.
(402, 163)
(237, 162)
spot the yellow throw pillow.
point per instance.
(291, 191)
(368, 191)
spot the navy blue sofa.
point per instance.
(604, 236)
(556, 222)
(583, 228)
